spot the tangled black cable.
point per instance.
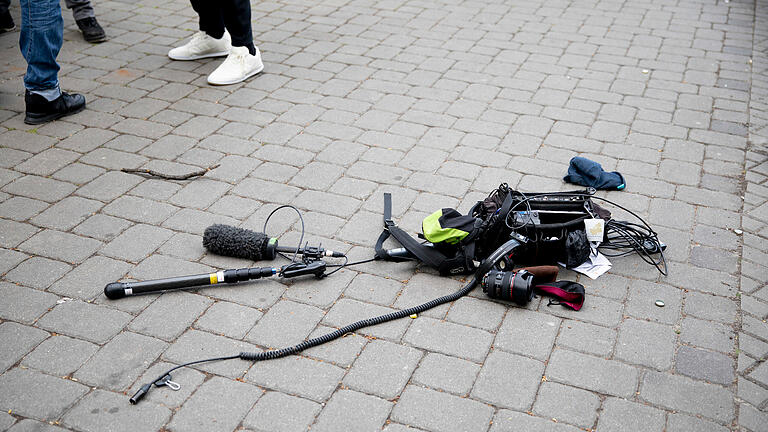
(624, 238)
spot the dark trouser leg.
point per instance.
(42, 33)
(4, 5)
(211, 21)
(237, 19)
(80, 9)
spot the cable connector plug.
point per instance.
(140, 394)
(654, 246)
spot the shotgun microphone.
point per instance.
(237, 242)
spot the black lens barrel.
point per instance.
(516, 286)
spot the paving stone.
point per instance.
(350, 410)
(439, 336)
(139, 209)
(286, 323)
(645, 343)
(751, 417)
(707, 334)
(94, 323)
(416, 407)
(701, 279)
(321, 293)
(33, 394)
(592, 373)
(14, 233)
(109, 186)
(588, 338)
(567, 404)
(280, 412)
(23, 304)
(228, 319)
(18, 340)
(28, 425)
(431, 373)
(706, 365)
(623, 415)
(231, 398)
(682, 422)
(383, 369)
(422, 288)
(10, 259)
(136, 243)
(508, 421)
(170, 315)
(311, 379)
(47, 162)
(710, 307)
(597, 310)
(27, 141)
(528, 333)
(88, 279)
(67, 213)
(373, 289)
(21, 208)
(120, 361)
(508, 380)
(347, 311)
(760, 373)
(195, 344)
(188, 378)
(102, 410)
(183, 245)
(40, 188)
(483, 314)
(60, 355)
(38, 272)
(199, 194)
(688, 396)
(751, 392)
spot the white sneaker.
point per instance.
(238, 66)
(202, 46)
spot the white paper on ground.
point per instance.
(594, 266)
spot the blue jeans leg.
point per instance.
(42, 33)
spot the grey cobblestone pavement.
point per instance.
(436, 101)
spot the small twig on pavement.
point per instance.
(169, 176)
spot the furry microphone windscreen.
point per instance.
(235, 242)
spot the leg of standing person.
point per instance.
(211, 41)
(244, 58)
(6, 20)
(42, 33)
(85, 18)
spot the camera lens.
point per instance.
(511, 286)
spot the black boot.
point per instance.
(92, 31)
(40, 110)
(6, 22)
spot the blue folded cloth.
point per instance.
(585, 172)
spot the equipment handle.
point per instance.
(117, 290)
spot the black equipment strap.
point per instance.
(380, 254)
(426, 254)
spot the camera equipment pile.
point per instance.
(506, 228)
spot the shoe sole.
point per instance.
(50, 117)
(238, 80)
(4, 30)
(218, 54)
(96, 40)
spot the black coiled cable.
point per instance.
(309, 343)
